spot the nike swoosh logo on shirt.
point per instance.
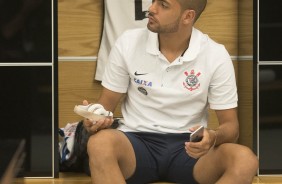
(136, 74)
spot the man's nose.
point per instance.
(152, 9)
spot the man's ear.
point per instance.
(189, 16)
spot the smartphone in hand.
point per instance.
(197, 135)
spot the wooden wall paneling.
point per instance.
(245, 72)
(246, 103)
(212, 121)
(76, 83)
(220, 22)
(245, 28)
(80, 27)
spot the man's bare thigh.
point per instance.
(117, 145)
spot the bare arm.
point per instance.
(228, 130)
(109, 99)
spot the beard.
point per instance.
(168, 28)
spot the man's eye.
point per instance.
(164, 5)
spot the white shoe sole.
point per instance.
(82, 111)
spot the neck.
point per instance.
(173, 45)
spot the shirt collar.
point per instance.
(189, 55)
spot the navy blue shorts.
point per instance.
(161, 157)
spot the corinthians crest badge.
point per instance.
(191, 82)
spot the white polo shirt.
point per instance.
(169, 97)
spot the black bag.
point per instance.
(79, 161)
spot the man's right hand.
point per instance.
(94, 126)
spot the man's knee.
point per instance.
(110, 147)
(101, 143)
(239, 158)
(248, 159)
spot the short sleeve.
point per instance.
(223, 90)
(116, 76)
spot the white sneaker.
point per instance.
(94, 112)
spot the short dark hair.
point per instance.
(197, 5)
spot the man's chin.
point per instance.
(151, 29)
